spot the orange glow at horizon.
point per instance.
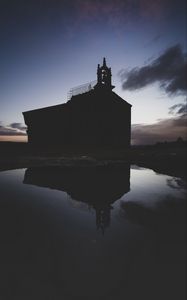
(14, 138)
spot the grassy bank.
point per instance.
(166, 158)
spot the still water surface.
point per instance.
(92, 234)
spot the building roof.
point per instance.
(101, 95)
(46, 109)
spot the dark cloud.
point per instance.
(19, 126)
(13, 129)
(9, 132)
(163, 130)
(153, 41)
(178, 109)
(169, 70)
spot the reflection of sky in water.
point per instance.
(51, 248)
(56, 204)
(148, 187)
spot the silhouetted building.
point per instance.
(96, 117)
(98, 187)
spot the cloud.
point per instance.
(14, 129)
(169, 70)
(178, 109)
(19, 126)
(153, 41)
(163, 130)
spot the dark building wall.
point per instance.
(46, 126)
(95, 118)
(101, 119)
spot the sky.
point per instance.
(50, 46)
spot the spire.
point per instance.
(104, 62)
(104, 76)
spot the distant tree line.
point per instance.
(180, 142)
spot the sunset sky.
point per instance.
(50, 46)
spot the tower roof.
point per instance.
(104, 62)
(104, 76)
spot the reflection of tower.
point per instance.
(103, 217)
(104, 76)
(99, 187)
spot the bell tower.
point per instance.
(104, 76)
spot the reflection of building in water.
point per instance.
(103, 217)
(98, 187)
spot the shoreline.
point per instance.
(169, 160)
(176, 169)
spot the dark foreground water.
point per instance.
(94, 234)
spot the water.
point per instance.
(92, 234)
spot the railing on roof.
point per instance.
(81, 89)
